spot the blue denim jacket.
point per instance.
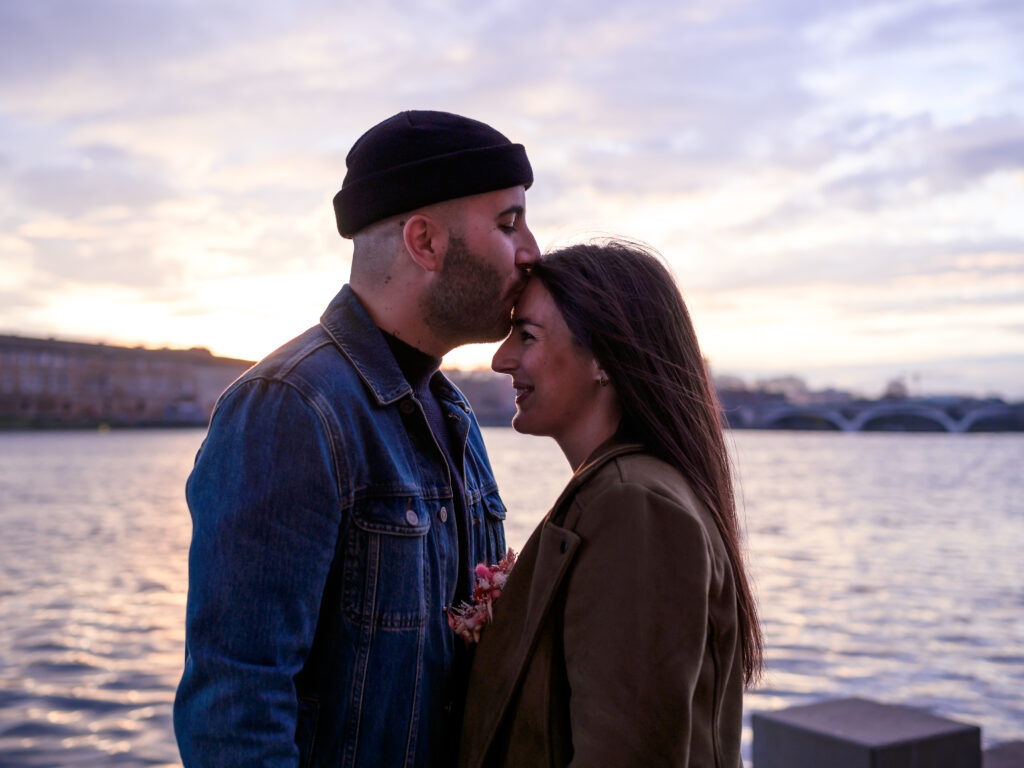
(324, 554)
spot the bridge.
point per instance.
(905, 415)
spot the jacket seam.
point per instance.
(716, 701)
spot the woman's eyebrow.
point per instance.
(521, 321)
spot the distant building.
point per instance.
(742, 407)
(49, 383)
(490, 394)
(829, 396)
(793, 388)
(725, 382)
(896, 389)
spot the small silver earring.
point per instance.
(603, 381)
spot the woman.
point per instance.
(627, 628)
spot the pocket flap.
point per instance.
(494, 506)
(405, 516)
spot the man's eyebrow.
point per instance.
(516, 209)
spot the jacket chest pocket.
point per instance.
(383, 581)
(487, 519)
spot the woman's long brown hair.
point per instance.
(621, 304)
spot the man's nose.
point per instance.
(528, 252)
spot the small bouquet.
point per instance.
(469, 619)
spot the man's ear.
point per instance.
(426, 240)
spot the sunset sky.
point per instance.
(839, 187)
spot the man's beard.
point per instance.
(467, 303)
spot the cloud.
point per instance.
(985, 147)
(916, 25)
(66, 263)
(858, 266)
(19, 300)
(102, 177)
(838, 158)
(926, 161)
(44, 38)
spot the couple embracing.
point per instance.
(342, 501)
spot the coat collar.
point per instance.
(604, 453)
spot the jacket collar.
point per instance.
(351, 328)
(604, 453)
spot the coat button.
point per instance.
(564, 546)
(411, 517)
(406, 406)
(443, 514)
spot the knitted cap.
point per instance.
(421, 157)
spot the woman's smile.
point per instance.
(522, 392)
(556, 380)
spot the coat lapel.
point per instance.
(500, 659)
(506, 645)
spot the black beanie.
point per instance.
(420, 157)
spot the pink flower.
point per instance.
(468, 620)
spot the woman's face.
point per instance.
(558, 390)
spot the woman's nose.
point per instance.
(504, 361)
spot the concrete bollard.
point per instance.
(857, 733)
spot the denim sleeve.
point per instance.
(265, 506)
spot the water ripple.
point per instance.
(886, 567)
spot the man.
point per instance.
(343, 494)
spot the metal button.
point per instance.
(411, 517)
(443, 514)
(406, 406)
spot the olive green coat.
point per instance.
(615, 642)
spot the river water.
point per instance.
(888, 566)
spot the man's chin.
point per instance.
(500, 330)
(484, 335)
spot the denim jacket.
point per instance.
(324, 554)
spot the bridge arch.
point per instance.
(778, 418)
(888, 410)
(993, 411)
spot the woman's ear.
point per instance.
(599, 375)
(426, 240)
